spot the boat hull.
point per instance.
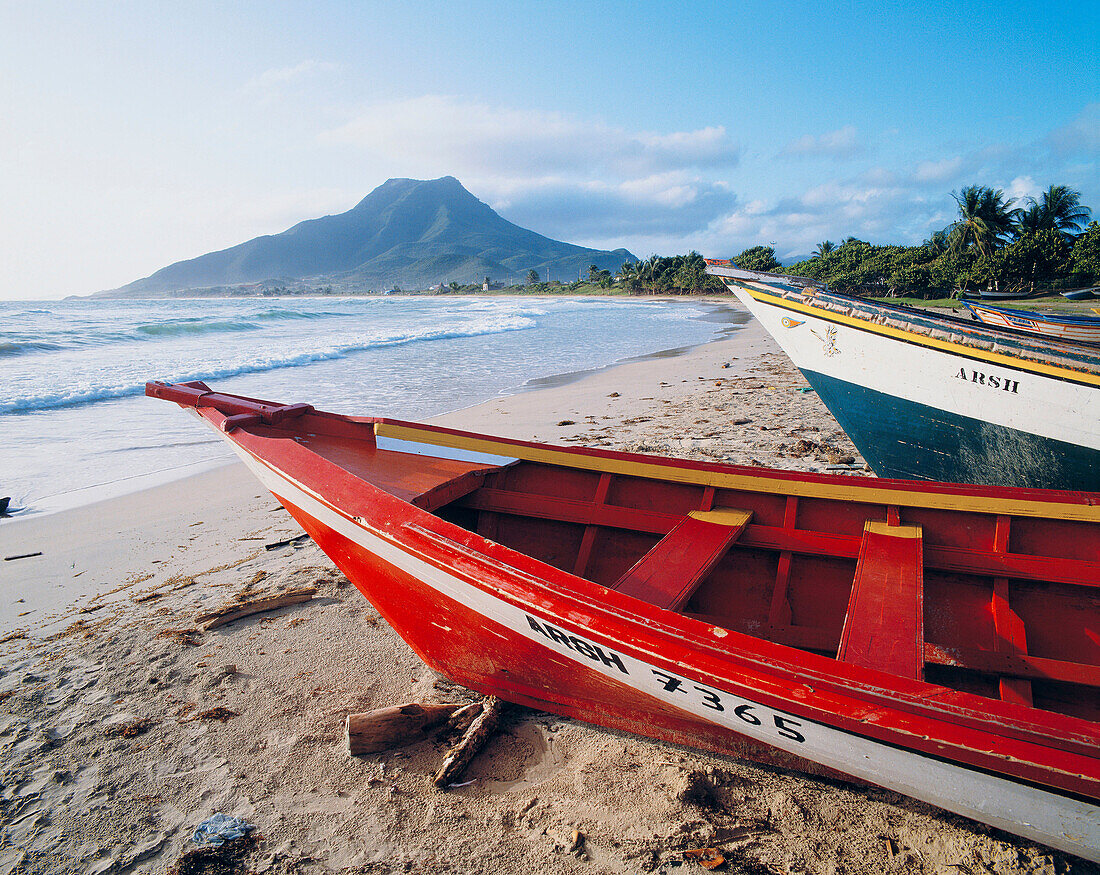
(494, 629)
(941, 411)
(902, 439)
(1083, 329)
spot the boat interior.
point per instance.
(1003, 603)
(991, 592)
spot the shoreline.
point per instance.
(124, 724)
(720, 311)
(134, 519)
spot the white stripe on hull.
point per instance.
(1067, 824)
(973, 388)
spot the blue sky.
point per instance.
(138, 134)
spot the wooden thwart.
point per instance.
(669, 573)
(956, 560)
(1009, 633)
(884, 626)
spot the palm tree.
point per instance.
(939, 242)
(985, 219)
(1058, 209)
(823, 249)
(1030, 220)
(647, 272)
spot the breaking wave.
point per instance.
(186, 327)
(255, 361)
(21, 347)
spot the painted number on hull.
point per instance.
(716, 701)
(695, 695)
(990, 380)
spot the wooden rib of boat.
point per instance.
(935, 639)
(926, 396)
(1084, 329)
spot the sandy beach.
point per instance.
(124, 724)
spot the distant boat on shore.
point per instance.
(926, 396)
(999, 295)
(1057, 325)
(937, 640)
(1080, 294)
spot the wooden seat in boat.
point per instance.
(884, 626)
(428, 482)
(669, 573)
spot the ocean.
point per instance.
(76, 427)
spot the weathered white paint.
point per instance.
(1041, 405)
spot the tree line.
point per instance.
(1041, 244)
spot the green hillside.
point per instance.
(408, 233)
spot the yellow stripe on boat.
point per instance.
(1016, 362)
(856, 492)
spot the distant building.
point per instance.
(490, 286)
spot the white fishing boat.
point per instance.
(931, 397)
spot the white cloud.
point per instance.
(1021, 188)
(840, 143)
(674, 203)
(873, 206)
(943, 170)
(434, 135)
(270, 83)
(565, 176)
(1080, 135)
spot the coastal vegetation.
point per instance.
(995, 242)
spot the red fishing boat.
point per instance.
(939, 640)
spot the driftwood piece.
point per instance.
(289, 542)
(462, 718)
(395, 726)
(237, 610)
(22, 556)
(475, 737)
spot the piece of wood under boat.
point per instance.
(927, 396)
(942, 641)
(1063, 326)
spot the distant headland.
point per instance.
(406, 234)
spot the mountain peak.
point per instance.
(400, 186)
(413, 233)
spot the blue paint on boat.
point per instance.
(905, 439)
